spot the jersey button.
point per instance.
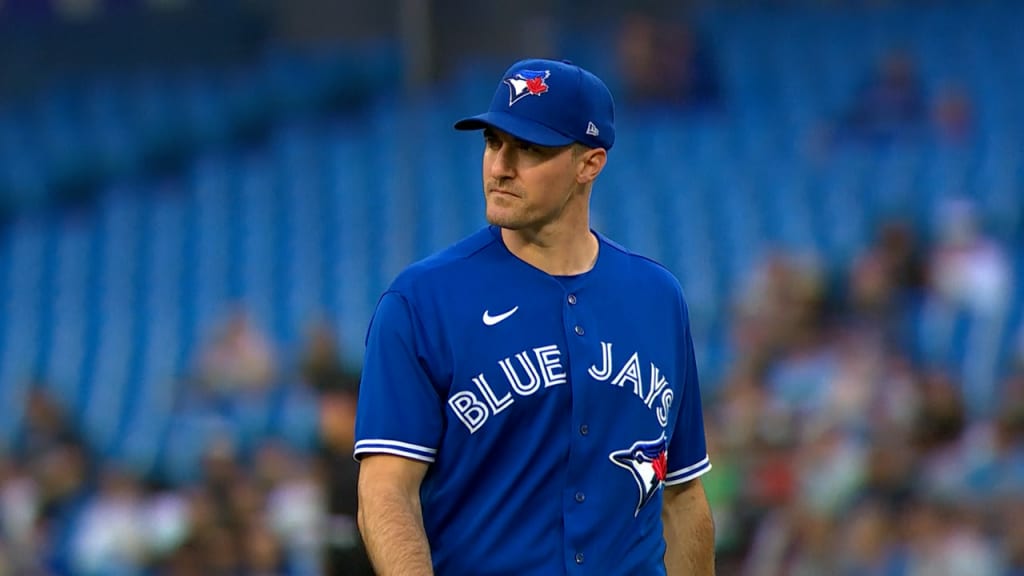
(572, 298)
(579, 330)
(579, 557)
(580, 496)
(584, 429)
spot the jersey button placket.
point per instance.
(579, 496)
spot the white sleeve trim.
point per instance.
(689, 473)
(358, 454)
(395, 444)
(405, 449)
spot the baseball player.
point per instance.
(529, 401)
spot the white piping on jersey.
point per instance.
(380, 446)
(688, 473)
(397, 444)
(394, 452)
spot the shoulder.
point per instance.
(643, 268)
(444, 267)
(647, 276)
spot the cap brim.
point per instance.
(521, 128)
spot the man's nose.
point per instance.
(503, 162)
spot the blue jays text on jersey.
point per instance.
(543, 364)
(551, 410)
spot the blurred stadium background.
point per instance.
(202, 200)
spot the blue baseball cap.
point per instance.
(550, 103)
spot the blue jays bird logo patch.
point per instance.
(526, 83)
(648, 463)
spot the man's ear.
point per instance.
(591, 162)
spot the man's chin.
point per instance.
(504, 221)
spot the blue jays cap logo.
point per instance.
(526, 83)
(648, 463)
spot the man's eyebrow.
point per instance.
(492, 133)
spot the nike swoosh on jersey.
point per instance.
(492, 320)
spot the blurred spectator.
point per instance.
(890, 104)
(741, 411)
(969, 281)
(816, 537)
(663, 62)
(852, 389)
(59, 466)
(939, 439)
(321, 363)
(781, 308)
(239, 358)
(46, 426)
(1011, 540)
(952, 116)
(868, 543)
(111, 533)
(222, 480)
(222, 550)
(886, 283)
(968, 268)
(793, 541)
(263, 554)
(338, 387)
(166, 514)
(830, 469)
(19, 510)
(792, 301)
(185, 560)
(941, 543)
(996, 470)
(889, 470)
(872, 288)
(295, 510)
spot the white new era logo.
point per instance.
(592, 129)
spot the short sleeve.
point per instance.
(399, 411)
(687, 451)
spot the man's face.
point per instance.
(525, 185)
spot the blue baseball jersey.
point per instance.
(551, 410)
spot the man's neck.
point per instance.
(558, 251)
